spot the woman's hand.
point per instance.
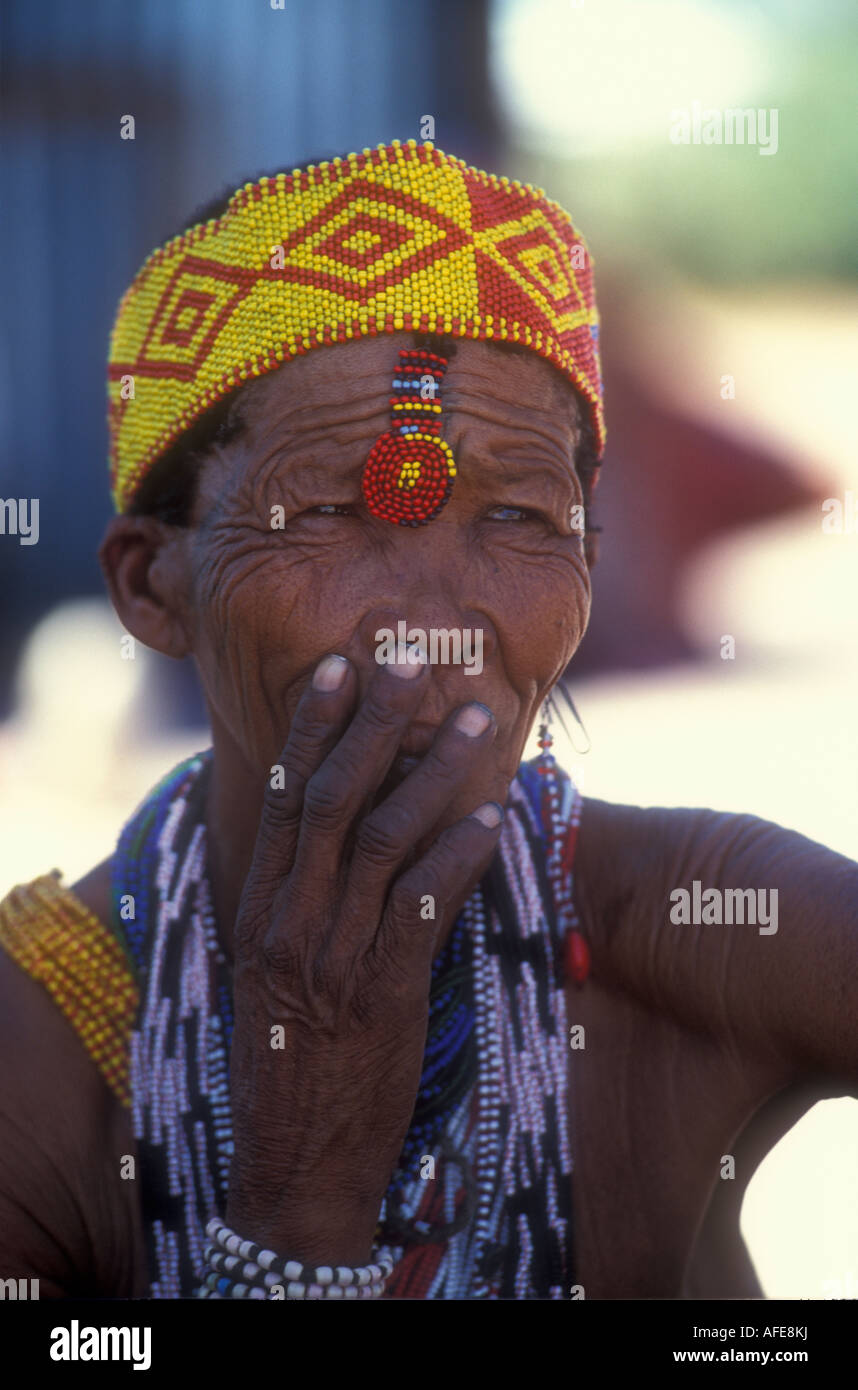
(333, 959)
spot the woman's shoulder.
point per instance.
(634, 855)
(43, 902)
(629, 860)
(94, 890)
(61, 939)
(624, 842)
(680, 906)
(45, 906)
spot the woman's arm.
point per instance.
(67, 1216)
(783, 986)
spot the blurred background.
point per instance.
(726, 276)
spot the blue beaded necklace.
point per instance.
(152, 849)
(450, 1058)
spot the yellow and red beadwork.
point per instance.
(402, 237)
(409, 474)
(54, 937)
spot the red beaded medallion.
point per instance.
(408, 476)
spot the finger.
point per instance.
(444, 876)
(385, 836)
(315, 727)
(356, 767)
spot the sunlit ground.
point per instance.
(772, 731)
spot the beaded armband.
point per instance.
(54, 937)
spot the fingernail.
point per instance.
(411, 667)
(489, 815)
(473, 719)
(330, 673)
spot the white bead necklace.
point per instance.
(488, 1151)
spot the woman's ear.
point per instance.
(145, 566)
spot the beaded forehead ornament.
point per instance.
(403, 237)
(409, 474)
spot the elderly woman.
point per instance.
(362, 1004)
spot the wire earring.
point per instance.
(550, 700)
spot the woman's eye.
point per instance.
(512, 514)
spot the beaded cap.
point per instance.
(402, 237)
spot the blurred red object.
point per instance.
(670, 484)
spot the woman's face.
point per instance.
(504, 557)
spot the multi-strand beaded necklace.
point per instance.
(480, 1203)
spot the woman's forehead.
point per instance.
(506, 416)
(353, 381)
(509, 419)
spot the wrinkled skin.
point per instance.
(700, 1042)
(259, 607)
(327, 941)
